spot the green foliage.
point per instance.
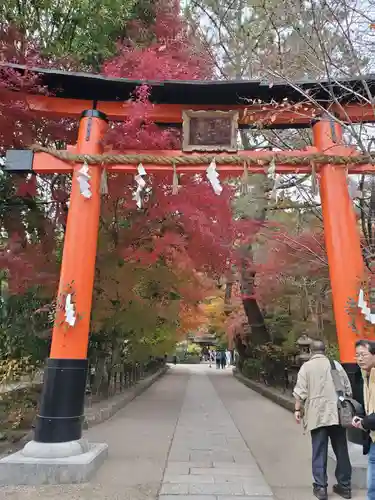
(268, 363)
(13, 369)
(194, 349)
(24, 342)
(275, 365)
(280, 324)
(333, 352)
(190, 359)
(17, 410)
(123, 292)
(188, 352)
(24, 328)
(79, 29)
(252, 368)
(274, 353)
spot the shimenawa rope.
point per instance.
(202, 159)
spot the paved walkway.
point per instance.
(208, 455)
(196, 434)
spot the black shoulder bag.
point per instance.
(347, 407)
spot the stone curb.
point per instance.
(95, 416)
(272, 394)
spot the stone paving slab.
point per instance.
(209, 459)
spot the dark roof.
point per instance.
(100, 88)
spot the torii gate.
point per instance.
(95, 100)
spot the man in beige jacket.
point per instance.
(315, 392)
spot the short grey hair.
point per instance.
(317, 347)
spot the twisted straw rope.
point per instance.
(205, 159)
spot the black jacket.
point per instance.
(368, 423)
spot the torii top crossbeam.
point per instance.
(75, 92)
(277, 106)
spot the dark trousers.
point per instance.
(371, 473)
(339, 443)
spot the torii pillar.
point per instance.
(343, 247)
(58, 454)
(61, 410)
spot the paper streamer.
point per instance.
(141, 183)
(70, 314)
(175, 185)
(245, 179)
(314, 180)
(83, 179)
(213, 177)
(354, 192)
(276, 185)
(272, 169)
(363, 307)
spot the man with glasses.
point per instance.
(365, 354)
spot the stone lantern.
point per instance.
(303, 344)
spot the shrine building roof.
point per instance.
(96, 87)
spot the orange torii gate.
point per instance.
(95, 100)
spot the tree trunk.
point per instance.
(241, 349)
(259, 332)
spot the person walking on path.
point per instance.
(365, 353)
(229, 357)
(211, 357)
(218, 360)
(223, 360)
(316, 394)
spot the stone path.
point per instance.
(208, 456)
(196, 434)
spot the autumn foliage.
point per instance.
(290, 257)
(164, 257)
(170, 55)
(161, 258)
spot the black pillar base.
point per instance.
(61, 410)
(356, 380)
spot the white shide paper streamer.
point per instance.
(140, 185)
(354, 192)
(363, 307)
(83, 179)
(213, 177)
(70, 314)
